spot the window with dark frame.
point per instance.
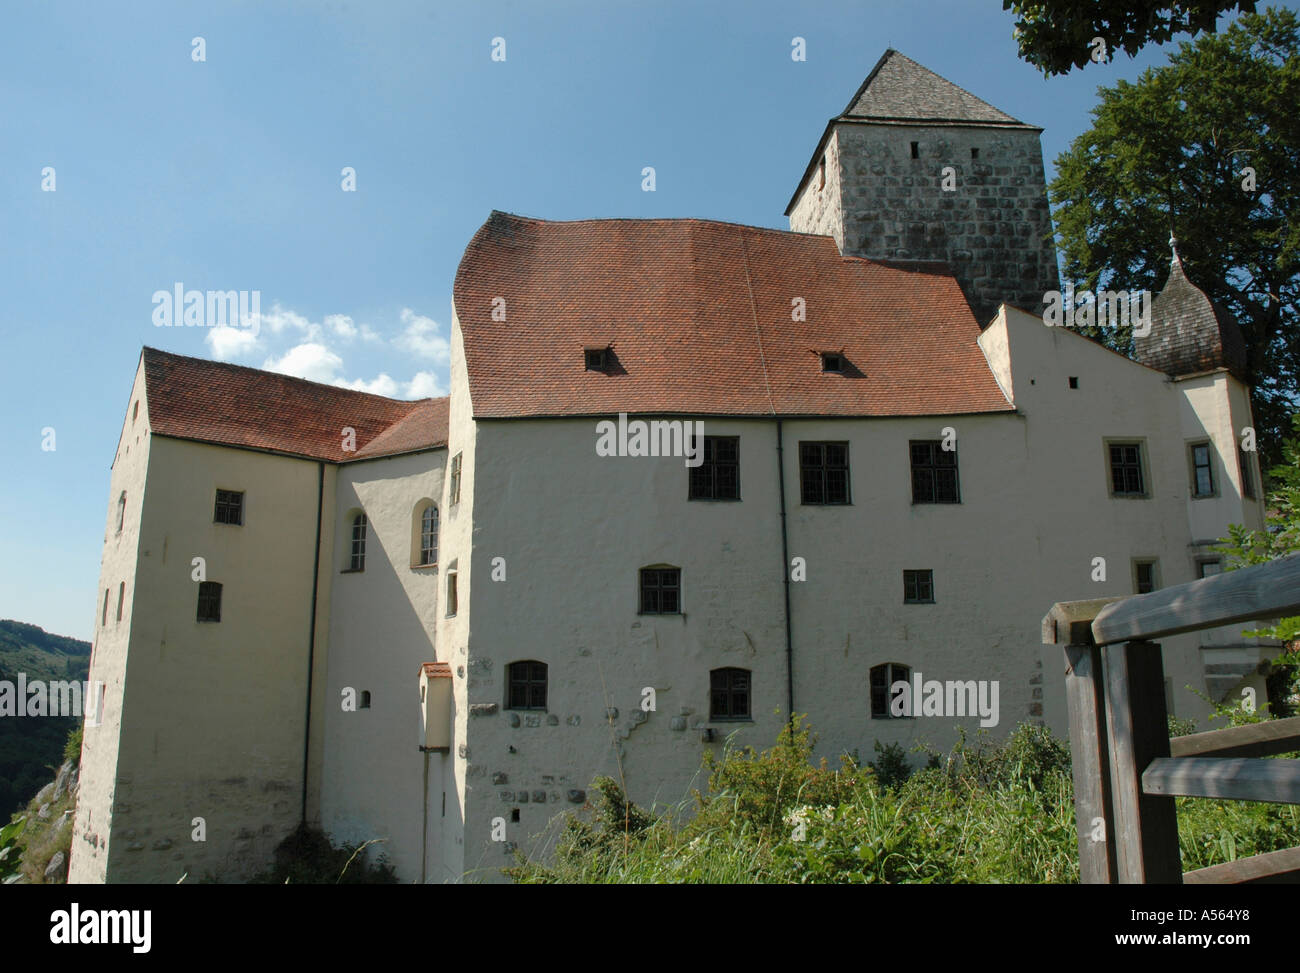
(918, 587)
(661, 591)
(1126, 477)
(358, 558)
(229, 508)
(934, 472)
(209, 601)
(594, 359)
(365, 699)
(1144, 573)
(832, 361)
(452, 598)
(824, 473)
(526, 685)
(718, 476)
(729, 694)
(883, 677)
(1247, 477)
(429, 535)
(1202, 470)
(454, 492)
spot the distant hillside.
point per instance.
(31, 747)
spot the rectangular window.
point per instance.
(455, 479)
(209, 601)
(1202, 472)
(1247, 474)
(1126, 477)
(1144, 576)
(918, 587)
(882, 678)
(661, 591)
(934, 473)
(718, 477)
(104, 621)
(729, 694)
(230, 508)
(452, 601)
(824, 473)
(1208, 567)
(121, 598)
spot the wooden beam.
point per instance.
(1146, 825)
(1259, 592)
(1251, 740)
(1094, 816)
(1230, 778)
(1070, 622)
(1272, 868)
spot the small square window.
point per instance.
(229, 508)
(1074, 381)
(974, 153)
(594, 359)
(514, 815)
(918, 587)
(1208, 567)
(661, 591)
(832, 361)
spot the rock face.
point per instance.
(57, 870)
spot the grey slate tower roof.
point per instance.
(899, 89)
(1189, 333)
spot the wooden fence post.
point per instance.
(1146, 826)
(1085, 698)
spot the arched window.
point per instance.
(883, 679)
(526, 685)
(729, 694)
(426, 534)
(121, 511)
(358, 559)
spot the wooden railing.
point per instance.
(1127, 771)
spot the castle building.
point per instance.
(691, 477)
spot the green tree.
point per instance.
(1279, 538)
(1057, 35)
(1177, 151)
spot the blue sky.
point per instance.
(226, 174)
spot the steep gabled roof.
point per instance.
(698, 315)
(232, 405)
(899, 89)
(1189, 332)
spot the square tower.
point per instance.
(916, 168)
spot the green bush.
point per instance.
(987, 813)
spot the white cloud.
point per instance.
(421, 338)
(279, 319)
(369, 334)
(341, 325)
(310, 360)
(228, 343)
(383, 385)
(425, 386)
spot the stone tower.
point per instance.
(880, 184)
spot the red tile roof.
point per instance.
(698, 315)
(216, 402)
